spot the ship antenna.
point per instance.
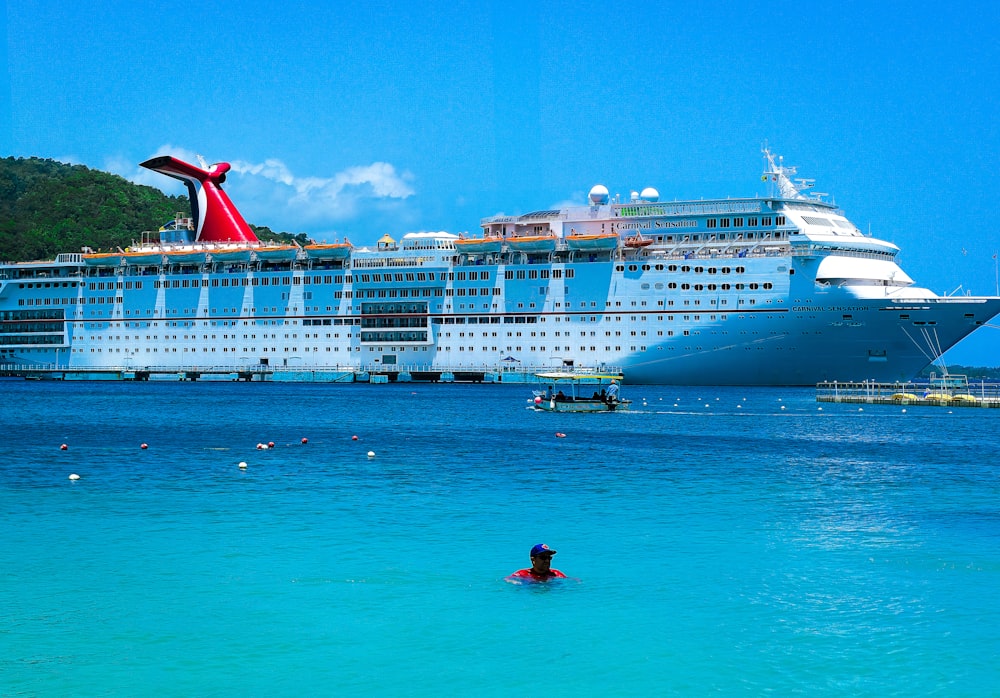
(778, 177)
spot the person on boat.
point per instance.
(560, 396)
(613, 392)
(541, 566)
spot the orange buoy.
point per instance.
(64, 447)
(144, 446)
(560, 435)
(354, 438)
(270, 444)
(305, 440)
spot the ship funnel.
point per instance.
(217, 219)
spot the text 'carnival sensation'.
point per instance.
(773, 290)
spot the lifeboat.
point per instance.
(144, 258)
(185, 257)
(483, 245)
(599, 241)
(532, 243)
(232, 255)
(340, 250)
(276, 253)
(103, 259)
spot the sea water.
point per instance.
(716, 540)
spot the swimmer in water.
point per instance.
(541, 566)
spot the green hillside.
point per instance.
(48, 207)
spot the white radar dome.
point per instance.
(599, 195)
(649, 194)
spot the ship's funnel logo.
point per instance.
(216, 216)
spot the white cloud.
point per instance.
(269, 193)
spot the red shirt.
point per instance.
(530, 574)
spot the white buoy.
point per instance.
(74, 476)
(739, 407)
(371, 454)
(820, 409)
(782, 407)
(243, 465)
(904, 410)
(861, 409)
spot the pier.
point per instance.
(945, 391)
(374, 373)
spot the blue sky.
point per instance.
(359, 119)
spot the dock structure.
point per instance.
(374, 374)
(945, 391)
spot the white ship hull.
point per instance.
(729, 292)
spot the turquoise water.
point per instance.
(743, 542)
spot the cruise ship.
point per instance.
(780, 289)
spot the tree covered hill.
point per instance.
(48, 207)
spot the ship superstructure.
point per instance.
(780, 289)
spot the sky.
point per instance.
(359, 119)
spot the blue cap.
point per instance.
(542, 549)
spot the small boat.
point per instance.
(231, 255)
(599, 241)
(578, 392)
(276, 253)
(484, 245)
(339, 250)
(144, 258)
(185, 256)
(532, 243)
(103, 259)
(637, 241)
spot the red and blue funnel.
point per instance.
(216, 216)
